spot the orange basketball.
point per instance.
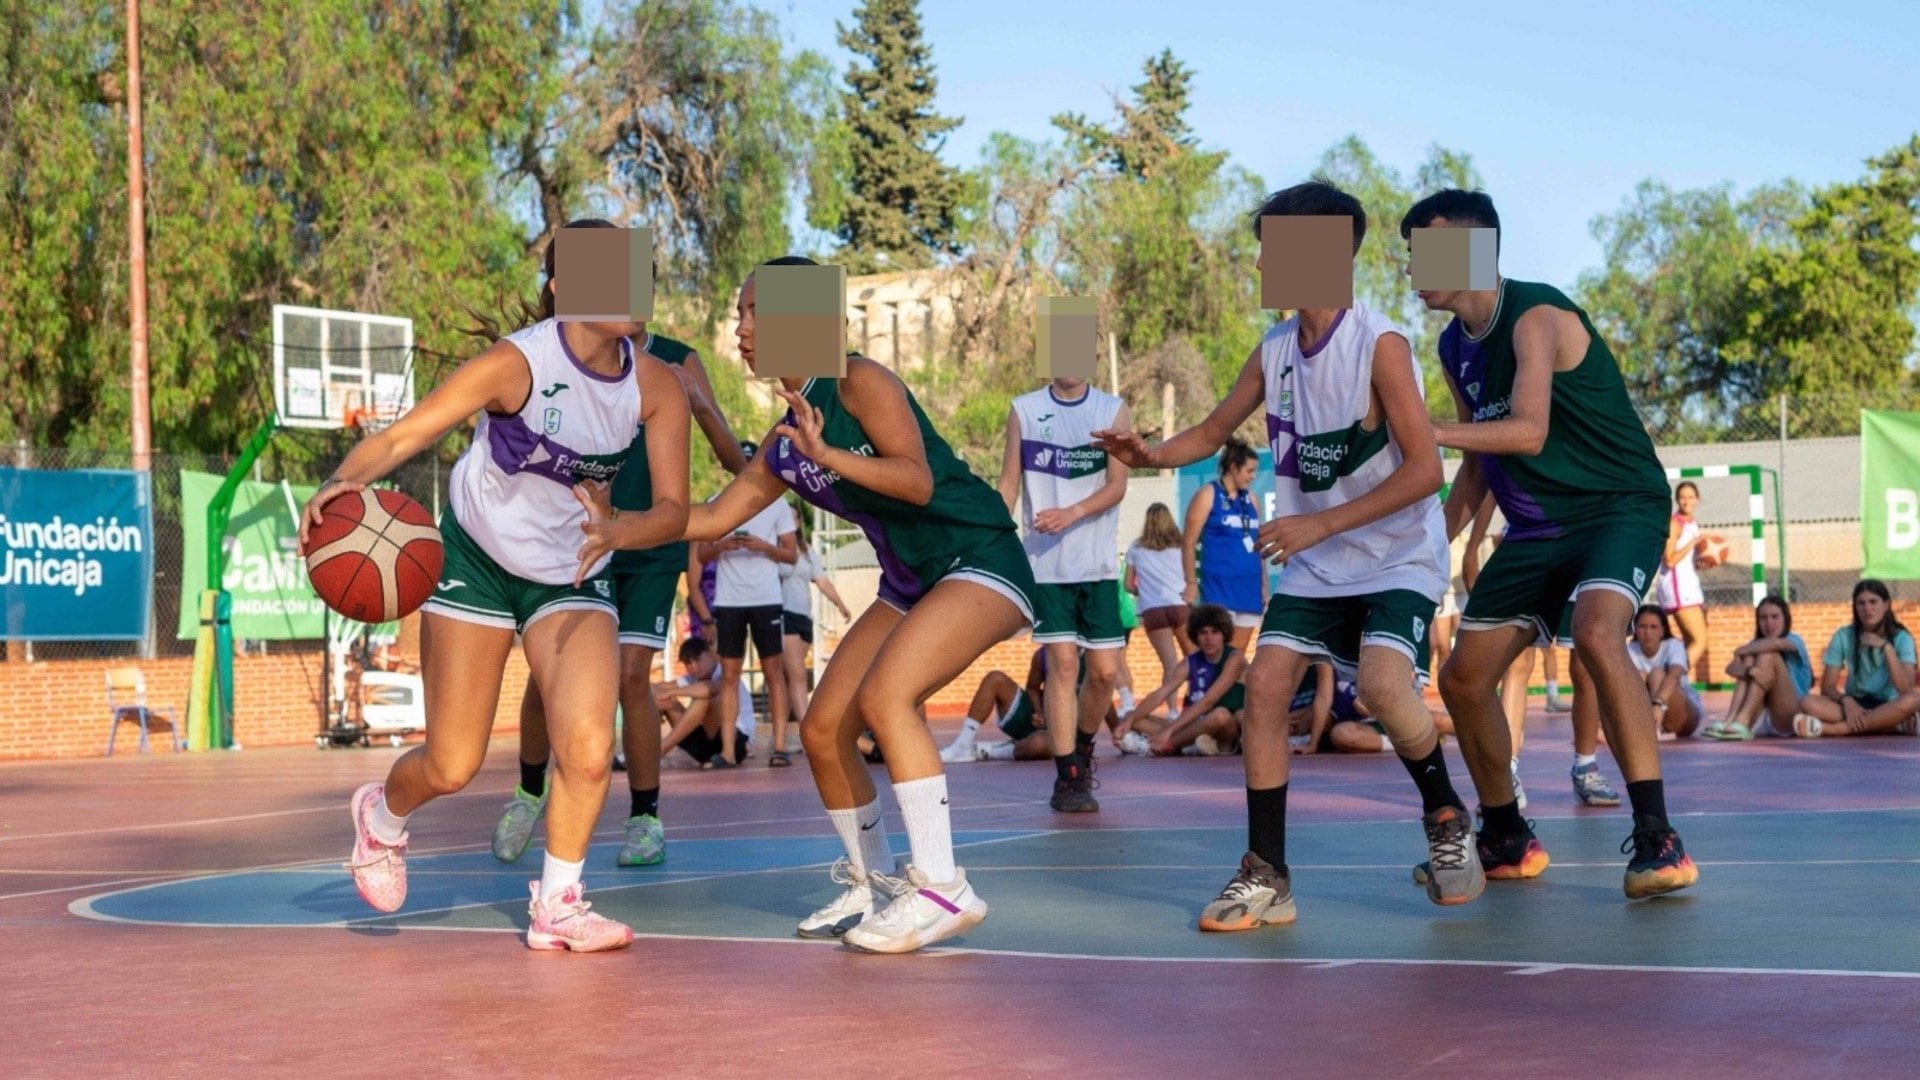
(1711, 552)
(375, 556)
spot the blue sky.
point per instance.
(1563, 106)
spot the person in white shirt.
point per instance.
(1661, 659)
(747, 600)
(796, 602)
(1156, 575)
(688, 703)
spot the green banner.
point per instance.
(272, 600)
(1890, 494)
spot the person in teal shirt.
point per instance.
(1876, 652)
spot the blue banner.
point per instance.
(1191, 478)
(76, 554)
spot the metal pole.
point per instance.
(137, 251)
(1780, 501)
(1113, 361)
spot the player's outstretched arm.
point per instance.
(1202, 439)
(745, 495)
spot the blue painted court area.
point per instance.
(1804, 893)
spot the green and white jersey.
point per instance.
(1323, 456)
(512, 491)
(1060, 466)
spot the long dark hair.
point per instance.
(1786, 614)
(1666, 627)
(523, 312)
(1889, 627)
(1235, 453)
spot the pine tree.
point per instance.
(902, 200)
(1151, 131)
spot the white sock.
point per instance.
(1000, 751)
(971, 726)
(923, 803)
(1126, 702)
(1583, 760)
(1553, 688)
(866, 848)
(557, 875)
(385, 825)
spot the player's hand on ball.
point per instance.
(1284, 537)
(1126, 445)
(600, 541)
(805, 429)
(330, 489)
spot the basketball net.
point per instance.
(371, 420)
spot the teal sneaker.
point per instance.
(510, 837)
(646, 842)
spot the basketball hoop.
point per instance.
(372, 420)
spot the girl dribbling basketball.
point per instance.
(559, 402)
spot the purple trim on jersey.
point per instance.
(1346, 701)
(1466, 361)
(1085, 396)
(805, 478)
(514, 447)
(1286, 464)
(1044, 457)
(626, 358)
(1201, 672)
(1324, 338)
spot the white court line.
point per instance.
(190, 822)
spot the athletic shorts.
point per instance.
(732, 624)
(646, 603)
(1021, 720)
(1336, 627)
(1086, 613)
(1244, 620)
(704, 747)
(473, 588)
(998, 563)
(1171, 617)
(1233, 700)
(1533, 583)
(800, 626)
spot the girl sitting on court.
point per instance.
(1155, 575)
(1215, 702)
(1771, 674)
(1662, 660)
(1876, 653)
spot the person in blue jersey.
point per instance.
(1217, 547)
(1215, 702)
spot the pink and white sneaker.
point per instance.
(566, 921)
(379, 870)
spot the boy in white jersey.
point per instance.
(1070, 521)
(559, 403)
(1359, 531)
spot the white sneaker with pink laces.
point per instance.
(379, 870)
(566, 921)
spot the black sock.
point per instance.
(1083, 743)
(1067, 765)
(1267, 825)
(1430, 776)
(1649, 798)
(646, 802)
(1504, 820)
(533, 778)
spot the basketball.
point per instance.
(1711, 552)
(375, 556)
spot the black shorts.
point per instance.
(705, 747)
(800, 626)
(732, 624)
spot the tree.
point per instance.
(1151, 132)
(902, 200)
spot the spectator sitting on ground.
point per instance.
(1661, 659)
(1771, 674)
(1341, 724)
(688, 706)
(1215, 701)
(1015, 709)
(1876, 653)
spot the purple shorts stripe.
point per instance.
(941, 900)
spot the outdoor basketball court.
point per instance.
(171, 913)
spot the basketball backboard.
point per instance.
(333, 368)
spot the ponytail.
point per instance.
(522, 312)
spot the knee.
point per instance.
(1598, 638)
(817, 735)
(447, 773)
(878, 699)
(586, 756)
(1457, 684)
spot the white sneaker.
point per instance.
(959, 750)
(1519, 793)
(1135, 743)
(1126, 702)
(921, 914)
(846, 910)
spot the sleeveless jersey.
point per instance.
(633, 486)
(1060, 466)
(1201, 675)
(512, 491)
(1323, 456)
(1598, 462)
(1229, 567)
(1079, 679)
(1679, 584)
(915, 545)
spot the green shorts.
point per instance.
(1234, 699)
(473, 588)
(1020, 720)
(1336, 627)
(645, 599)
(997, 562)
(1532, 583)
(1085, 613)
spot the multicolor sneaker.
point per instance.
(855, 902)
(1659, 864)
(379, 870)
(1454, 875)
(646, 842)
(1507, 858)
(1258, 895)
(566, 921)
(921, 913)
(515, 830)
(1590, 786)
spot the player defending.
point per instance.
(1070, 520)
(1360, 535)
(1548, 428)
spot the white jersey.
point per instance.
(1324, 456)
(512, 491)
(748, 578)
(1678, 586)
(1060, 466)
(1161, 576)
